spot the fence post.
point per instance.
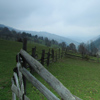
(42, 57)
(48, 77)
(33, 52)
(34, 56)
(56, 55)
(24, 63)
(59, 52)
(52, 55)
(25, 44)
(65, 51)
(48, 57)
(62, 54)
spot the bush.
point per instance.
(86, 57)
(19, 40)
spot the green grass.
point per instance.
(81, 77)
(8, 50)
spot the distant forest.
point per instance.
(84, 49)
(7, 34)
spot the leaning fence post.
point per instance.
(24, 63)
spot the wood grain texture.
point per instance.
(18, 92)
(47, 93)
(48, 77)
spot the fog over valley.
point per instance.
(78, 20)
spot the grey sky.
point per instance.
(77, 19)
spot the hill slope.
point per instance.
(81, 77)
(97, 42)
(55, 37)
(46, 34)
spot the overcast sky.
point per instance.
(76, 19)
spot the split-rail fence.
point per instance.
(21, 74)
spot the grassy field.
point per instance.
(8, 50)
(81, 77)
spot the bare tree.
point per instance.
(63, 45)
(72, 47)
(82, 49)
(93, 49)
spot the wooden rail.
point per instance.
(48, 57)
(18, 83)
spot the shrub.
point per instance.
(86, 57)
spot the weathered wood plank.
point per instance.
(16, 80)
(18, 92)
(13, 94)
(47, 93)
(77, 98)
(24, 63)
(20, 78)
(48, 77)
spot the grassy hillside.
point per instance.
(81, 77)
(8, 50)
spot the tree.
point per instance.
(24, 35)
(72, 47)
(19, 40)
(41, 38)
(82, 49)
(6, 32)
(36, 36)
(36, 39)
(63, 45)
(93, 49)
(47, 42)
(52, 41)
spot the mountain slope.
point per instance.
(10, 28)
(97, 42)
(46, 34)
(53, 36)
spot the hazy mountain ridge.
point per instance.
(10, 28)
(96, 42)
(46, 34)
(53, 36)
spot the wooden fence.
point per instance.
(45, 57)
(53, 55)
(24, 61)
(21, 73)
(48, 57)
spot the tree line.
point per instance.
(84, 49)
(7, 34)
(88, 49)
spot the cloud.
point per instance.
(73, 18)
